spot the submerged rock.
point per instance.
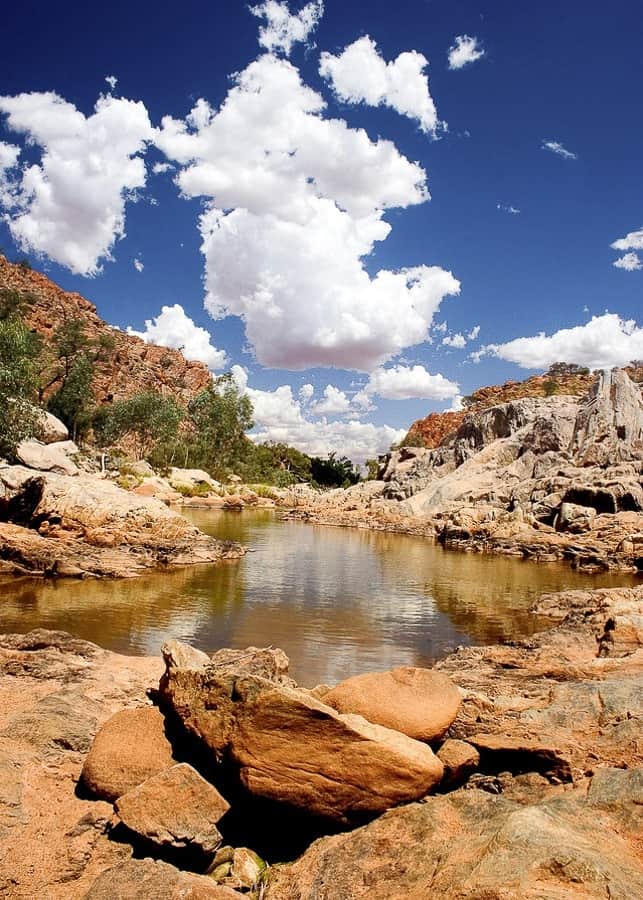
(128, 749)
(420, 703)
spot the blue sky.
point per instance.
(525, 229)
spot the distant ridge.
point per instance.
(130, 367)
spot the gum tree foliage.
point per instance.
(19, 349)
(334, 471)
(218, 419)
(148, 421)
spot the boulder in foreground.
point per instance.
(147, 879)
(128, 749)
(176, 808)
(420, 703)
(291, 748)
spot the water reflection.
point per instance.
(339, 601)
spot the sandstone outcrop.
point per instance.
(583, 842)
(130, 366)
(130, 748)
(420, 703)
(175, 808)
(290, 748)
(75, 525)
(545, 478)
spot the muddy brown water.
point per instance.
(339, 601)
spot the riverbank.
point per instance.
(547, 732)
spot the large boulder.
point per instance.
(48, 457)
(51, 429)
(420, 703)
(128, 749)
(176, 808)
(291, 748)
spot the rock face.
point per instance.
(175, 808)
(130, 748)
(581, 843)
(66, 525)
(420, 703)
(609, 426)
(129, 366)
(545, 478)
(291, 748)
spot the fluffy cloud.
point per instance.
(160, 168)
(633, 241)
(605, 341)
(9, 154)
(296, 202)
(457, 340)
(465, 50)
(175, 329)
(629, 261)
(409, 382)
(557, 148)
(112, 81)
(512, 210)
(71, 206)
(283, 28)
(138, 264)
(335, 402)
(306, 393)
(360, 75)
(279, 417)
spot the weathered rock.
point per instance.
(420, 703)
(147, 879)
(56, 722)
(191, 478)
(176, 808)
(93, 526)
(157, 487)
(575, 518)
(48, 457)
(580, 843)
(128, 749)
(291, 748)
(459, 759)
(609, 425)
(51, 429)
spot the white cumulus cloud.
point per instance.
(603, 342)
(296, 201)
(631, 262)
(173, 328)
(631, 241)
(409, 382)
(279, 417)
(306, 393)
(335, 402)
(457, 340)
(138, 264)
(71, 206)
(112, 81)
(361, 75)
(465, 50)
(283, 29)
(557, 148)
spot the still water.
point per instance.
(338, 601)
